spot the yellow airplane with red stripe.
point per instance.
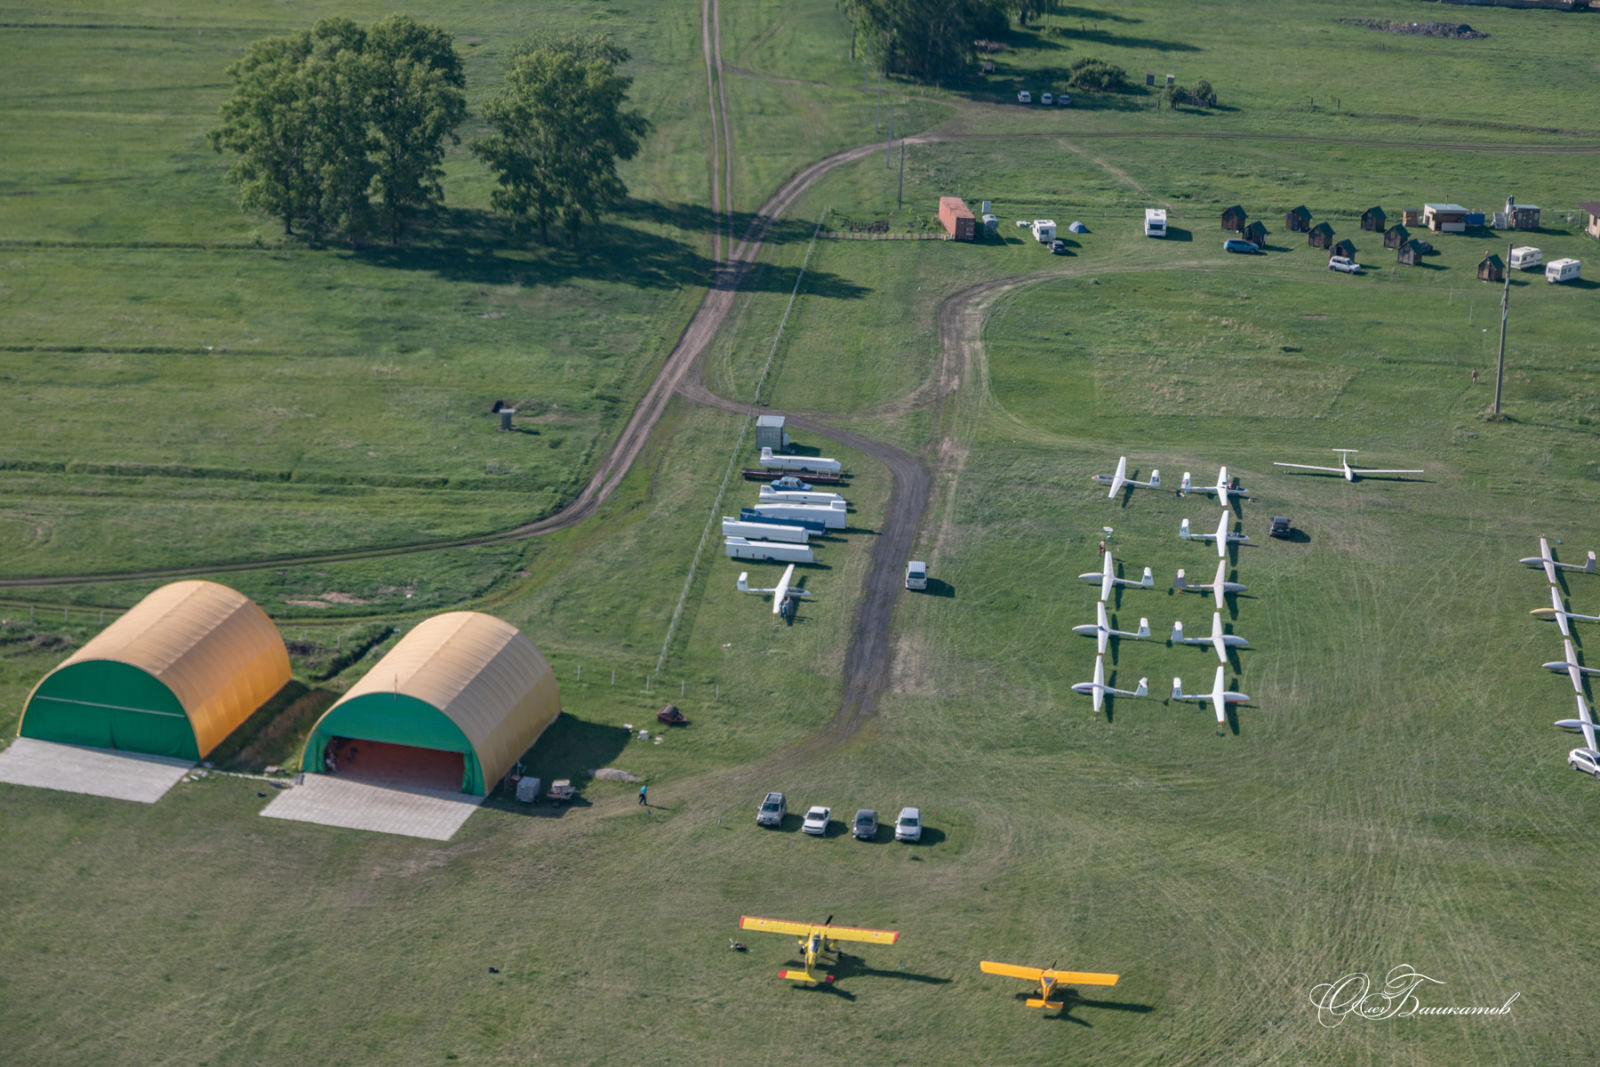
(1049, 980)
(814, 940)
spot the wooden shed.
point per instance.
(1521, 216)
(1410, 253)
(1298, 220)
(1320, 236)
(1255, 233)
(1374, 219)
(1491, 269)
(1234, 218)
(1395, 236)
(1343, 248)
(1592, 207)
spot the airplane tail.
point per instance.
(1589, 564)
(1155, 479)
(1148, 581)
(1144, 688)
(1177, 689)
(744, 581)
(1183, 530)
(1177, 632)
(1180, 582)
(1185, 485)
(1144, 627)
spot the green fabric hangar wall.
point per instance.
(398, 720)
(105, 704)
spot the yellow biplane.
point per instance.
(1049, 980)
(816, 940)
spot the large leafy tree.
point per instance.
(929, 40)
(321, 120)
(560, 126)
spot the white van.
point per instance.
(1155, 222)
(1044, 230)
(916, 575)
(1562, 270)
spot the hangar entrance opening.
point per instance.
(399, 766)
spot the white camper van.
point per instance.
(1525, 256)
(1155, 222)
(1562, 270)
(1044, 230)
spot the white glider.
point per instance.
(1102, 630)
(1219, 696)
(1219, 588)
(1584, 723)
(1571, 667)
(1350, 473)
(1222, 488)
(781, 592)
(1108, 578)
(1120, 479)
(1098, 688)
(1218, 640)
(1560, 614)
(1546, 560)
(1221, 537)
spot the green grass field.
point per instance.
(1393, 794)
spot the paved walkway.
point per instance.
(334, 801)
(98, 772)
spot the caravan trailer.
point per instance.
(1562, 270)
(1525, 256)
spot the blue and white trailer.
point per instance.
(771, 551)
(800, 463)
(831, 517)
(765, 531)
(815, 526)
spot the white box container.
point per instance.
(527, 790)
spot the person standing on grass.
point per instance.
(641, 796)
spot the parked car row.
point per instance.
(1058, 99)
(864, 827)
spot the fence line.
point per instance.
(738, 447)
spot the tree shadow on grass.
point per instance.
(470, 245)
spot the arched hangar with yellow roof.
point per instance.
(454, 704)
(172, 677)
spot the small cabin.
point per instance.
(1445, 218)
(1491, 269)
(1343, 248)
(1409, 216)
(1374, 219)
(1396, 236)
(1255, 233)
(1298, 220)
(1234, 218)
(1521, 216)
(1592, 208)
(1410, 253)
(1320, 236)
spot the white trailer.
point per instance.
(771, 551)
(1525, 256)
(818, 464)
(1562, 270)
(770, 495)
(1155, 222)
(765, 531)
(832, 518)
(1044, 230)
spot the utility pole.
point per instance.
(888, 146)
(900, 198)
(1505, 309)
(877, 112)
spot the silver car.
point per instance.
(908, 827)
(1586, 760)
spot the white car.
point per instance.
(817, 820)
(1024, 97)
(1345, 264)
(1586, 760)
(908, 827)
(1046, 98)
